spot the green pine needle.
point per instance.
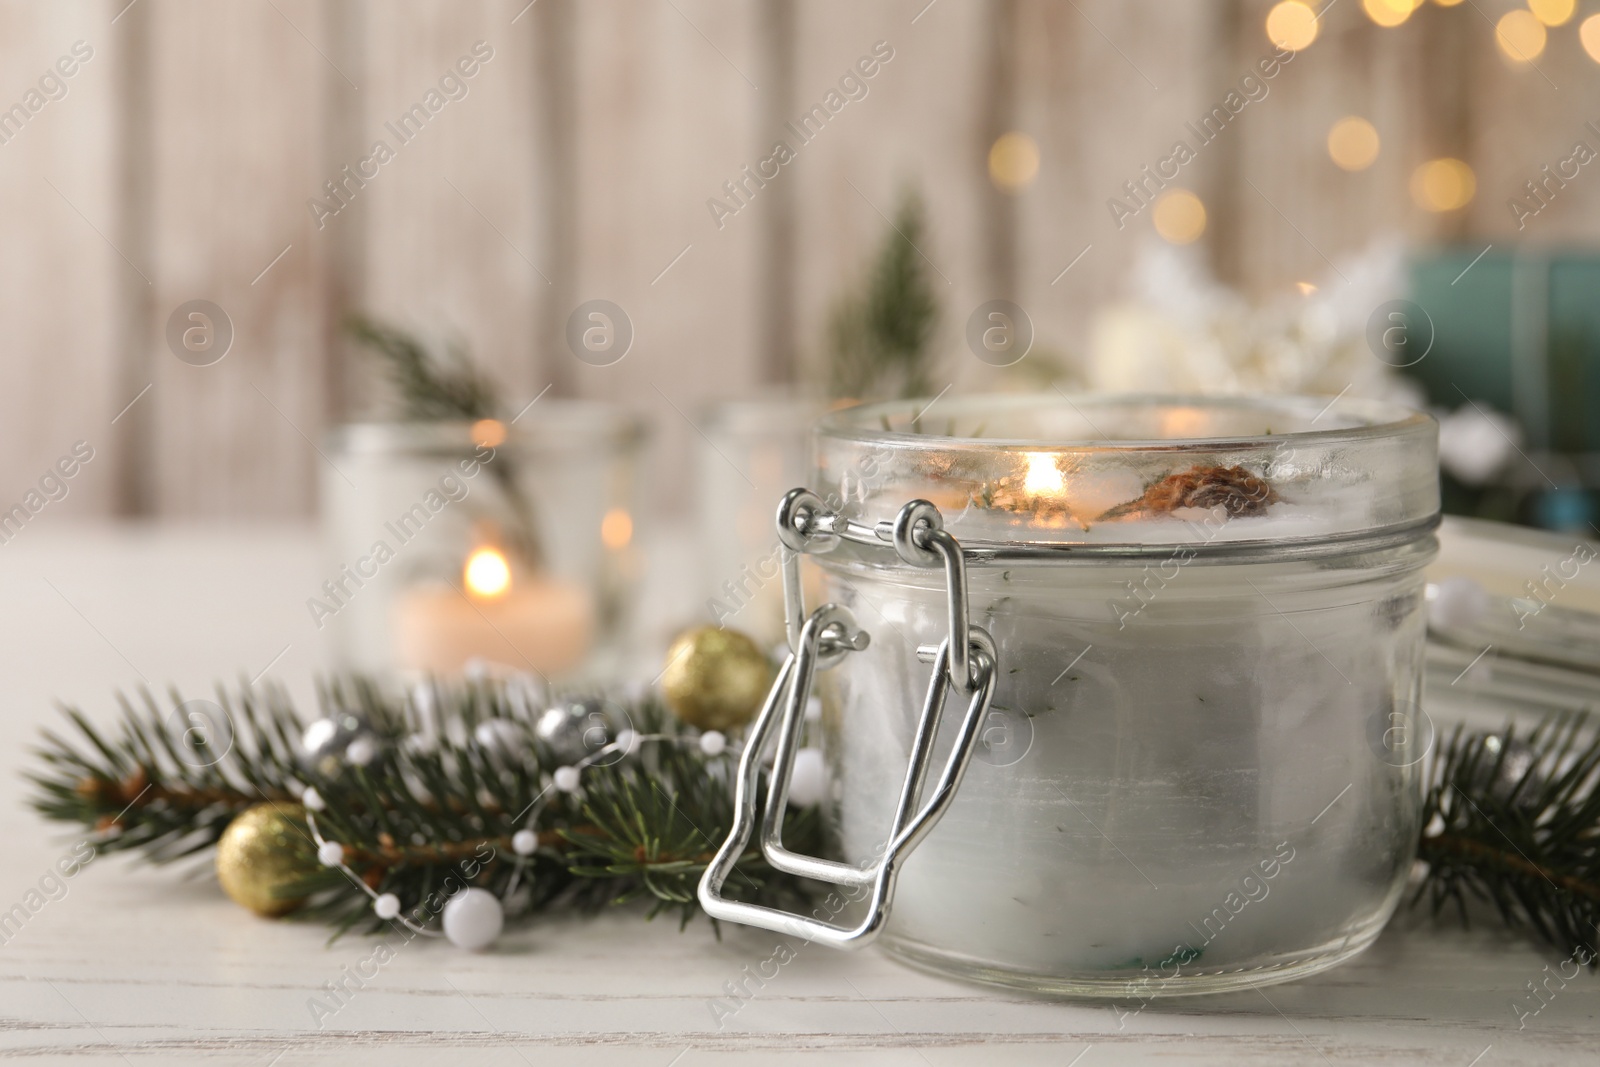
(880, 339)
(1513, 820)
(644, 828)
(451, 388)
(430, 389)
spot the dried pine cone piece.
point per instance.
(1234, 489)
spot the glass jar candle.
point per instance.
(451, 543)
(1188, 760)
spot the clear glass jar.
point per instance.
(758, 448)
(454, 542)
(1197, 772)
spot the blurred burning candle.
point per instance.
(539, 622)
(487, 574)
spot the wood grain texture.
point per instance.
(667, 102)
(919, 127)
(581, 164)
(1106, 90)
(236, 95)
(61, 277)
(454, 238)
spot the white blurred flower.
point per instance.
(1475, 442)
(1184, 333)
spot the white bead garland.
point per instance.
(1475, 443)
(361, 752)
(809, 782)
(473, 919)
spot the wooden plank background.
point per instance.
(579, 164)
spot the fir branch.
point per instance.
(432, 806)
(879, 339)
(1514, 821)
(429, 389)
(435, 389)
(1511, 820)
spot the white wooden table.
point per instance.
(135, 965)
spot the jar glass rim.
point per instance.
(1347, 420)
(1050, 472)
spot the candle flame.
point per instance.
(487, 574)
(1043, 477)
(488, 433)
(616, 529)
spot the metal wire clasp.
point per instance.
(965, 661)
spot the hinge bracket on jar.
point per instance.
(965, 661)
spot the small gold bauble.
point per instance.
(716, 679)
(263, 851)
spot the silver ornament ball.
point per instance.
(576, 729)
(339, 740)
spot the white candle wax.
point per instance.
(1186, 753)
(541, 623)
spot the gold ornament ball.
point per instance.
(262, 851)
(716, 679)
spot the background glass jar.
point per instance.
(1513, 625)
(759, 448)
(451, 542)
(1198, 771)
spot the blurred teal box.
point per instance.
(1519, 330)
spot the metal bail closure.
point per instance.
(827, 636)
